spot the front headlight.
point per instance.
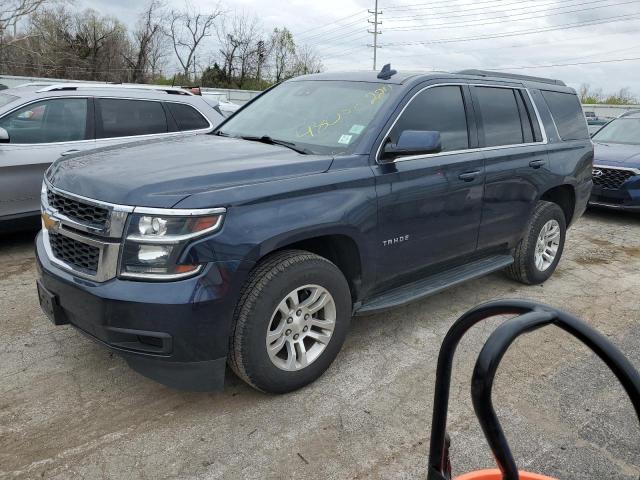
(155, 239)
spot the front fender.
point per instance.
(338, 202)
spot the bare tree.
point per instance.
(242, 49)
(307, 61)
(187, 28)
(12, 11)
(149, 28)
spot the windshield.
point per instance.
(5, 99)
(324, 117)
(620, 130)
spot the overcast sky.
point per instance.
(426, 35)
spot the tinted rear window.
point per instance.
(567, 114)
(124, 118)
(187, 117)
(500, 116)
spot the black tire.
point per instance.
(524, 269)
(269, 283)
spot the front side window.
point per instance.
(48, 121)
(439, 109)
(567, 114)
(621, 130)
(500, 116)
(125, 118)
(326, 117)
(187, 117)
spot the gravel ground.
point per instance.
(71, 410)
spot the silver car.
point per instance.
(39, 123)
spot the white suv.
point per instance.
(39, 123)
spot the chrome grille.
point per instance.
(82, 235)
(611, 178)
(85, 213)
(74, 253)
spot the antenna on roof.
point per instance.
(386, 73)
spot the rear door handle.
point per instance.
(69, 152)
(537, 163)
(469, 176)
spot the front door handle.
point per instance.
(537, 163)
(69, 152)
(469, 176)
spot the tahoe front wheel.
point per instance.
(290, 323)
(538, 253)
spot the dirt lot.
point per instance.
(70, 409)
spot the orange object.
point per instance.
(496, 474)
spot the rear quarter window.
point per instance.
(187, 117)
(567, 114)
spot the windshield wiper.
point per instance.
(274, 141)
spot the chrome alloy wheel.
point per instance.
(301, 327)
(547, 245)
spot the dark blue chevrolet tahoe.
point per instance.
(328, 196)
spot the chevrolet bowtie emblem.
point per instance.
(48, 222)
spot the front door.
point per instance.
(429, 206)
(39, 133)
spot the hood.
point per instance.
(617, 155)
(160, 173)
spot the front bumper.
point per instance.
(627, 197)
(175, 332)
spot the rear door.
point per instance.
(429, 205)
(516, 163)
(40, 132)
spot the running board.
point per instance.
(434, 283)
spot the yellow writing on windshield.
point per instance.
(316, 128)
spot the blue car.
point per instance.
(616, 170)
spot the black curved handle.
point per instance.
(532, 316)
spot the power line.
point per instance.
(441, 4)
(332, 23)
(524, 8)
(510, 17)
(566, 26)
(528, 45)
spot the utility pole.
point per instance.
(375, 31)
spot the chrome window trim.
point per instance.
(44, 144)
(147, 135)
(544, 140)
(210, 127)
(94, 140)
(626, 169)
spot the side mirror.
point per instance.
(4, 136)
(414, 142)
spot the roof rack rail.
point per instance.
(515, 76)
(130, 86)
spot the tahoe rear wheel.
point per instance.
(290, 322)
(538, 254)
